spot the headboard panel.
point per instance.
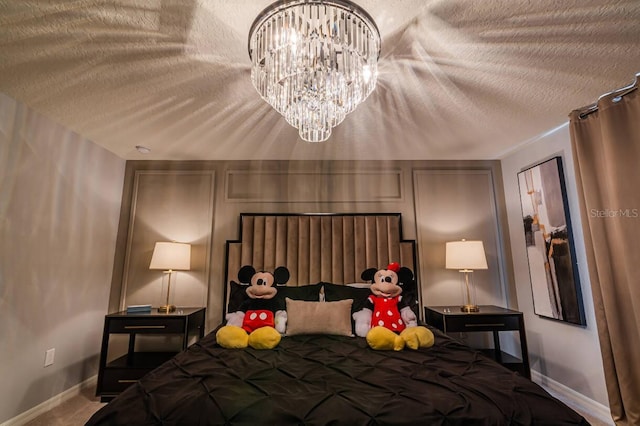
(319, 247)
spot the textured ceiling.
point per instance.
(459, 79)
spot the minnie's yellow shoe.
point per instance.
(417, 337)
(383, 339)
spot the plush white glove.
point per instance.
(235, 318)
(408, 316)
(281, 321)
(363, 321)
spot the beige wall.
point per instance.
(452, 205)
(318, 186)
(566, 353)
(168, 205)
(59, 204)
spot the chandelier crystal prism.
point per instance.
(314, 61)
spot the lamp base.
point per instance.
(470, 308)
(165, 309)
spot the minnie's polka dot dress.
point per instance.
(386, 313)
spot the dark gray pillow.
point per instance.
(335, 292)
(238, 294)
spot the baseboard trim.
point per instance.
(52, 402)
(573, 399)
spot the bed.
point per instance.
(330, 378)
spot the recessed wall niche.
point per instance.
(169, 205)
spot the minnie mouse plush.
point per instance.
(387, 321)
(260, 319)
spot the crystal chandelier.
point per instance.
(314, 61)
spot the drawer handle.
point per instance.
(496, 324)
(127, 381)
(143, 327)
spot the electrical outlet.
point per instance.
(49, 355)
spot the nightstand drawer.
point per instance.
(116, 380)
(472, 322)
(147, 325)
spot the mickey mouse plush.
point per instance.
(387, 322)
(260, 319)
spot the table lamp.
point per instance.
(170, 256)
(466, 256)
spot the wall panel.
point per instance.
(308, 186)
(453, 205)
(168, 205)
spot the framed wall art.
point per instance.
(555, 282)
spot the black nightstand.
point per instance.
(450, 319)
(117, 373)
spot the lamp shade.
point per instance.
(171, 256)
(465, 255)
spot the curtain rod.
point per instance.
(615, 96)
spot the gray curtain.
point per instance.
(605, 139)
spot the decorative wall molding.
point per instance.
(450, 205)
(201, 250)
(357, 186)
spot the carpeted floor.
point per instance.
(74, 411)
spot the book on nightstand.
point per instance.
(138, 309)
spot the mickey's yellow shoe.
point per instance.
(264, 338)
(232, 337)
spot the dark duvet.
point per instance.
(332, 380)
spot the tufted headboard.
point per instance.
(319, 247)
